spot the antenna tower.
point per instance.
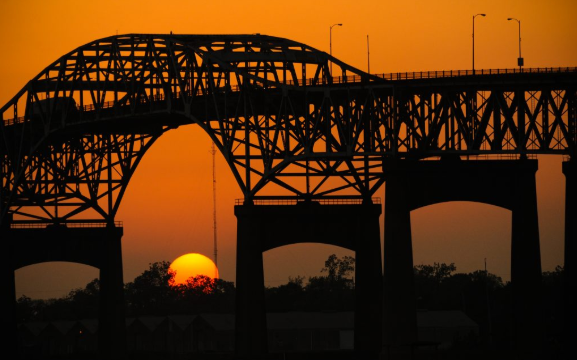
(213, 152)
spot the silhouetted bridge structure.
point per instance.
(323, 145)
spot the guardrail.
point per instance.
(326, 201)
(43, 225)
(457, 73)
(485, 156)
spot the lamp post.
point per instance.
(331, 43)
(474, 16)
(520, 59)
(368, 57)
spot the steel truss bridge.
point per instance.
(73, 136)
(290, 131)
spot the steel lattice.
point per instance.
(72, 137)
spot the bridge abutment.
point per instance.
(264, 227)
(505, 183)
(97, 247)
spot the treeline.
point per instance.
(153, 293)
(483, 296)
(486, 299)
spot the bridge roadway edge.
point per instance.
(99, 247)
(264, 227)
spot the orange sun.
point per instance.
(191, 265)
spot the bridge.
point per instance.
(322, 144)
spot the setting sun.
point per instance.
(191, 265)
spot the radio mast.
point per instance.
(213, 152)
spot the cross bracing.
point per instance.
(73, 136)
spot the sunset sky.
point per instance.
(167, 209)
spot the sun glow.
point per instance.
(192, 265)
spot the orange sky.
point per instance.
(167, 210)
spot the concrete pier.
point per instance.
(505, 183)
(97, 247)
(264, 227)
(570, 261)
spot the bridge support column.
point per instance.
(526, 271)
(9, 322)
(264, 227)
(111, 320)
(570, 261)
(399, 311)
(368, 283)
(509, 184)
(98, 247)
(250, 324)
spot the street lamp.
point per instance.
(331, 43)
(520, 59)
(474, 16)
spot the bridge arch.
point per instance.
(31, 279)
(465, 233)
(59, 244)
(99, 108)
(303, 259)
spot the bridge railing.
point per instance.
(76, 225)
(486, 156)
(293, 201)
(415, 75)
(457, 73)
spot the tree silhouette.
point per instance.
(339, 269)
(334, 292)
(553, 312)
(483, 296)
(155, 293)
(151, 293)
(287, 297)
